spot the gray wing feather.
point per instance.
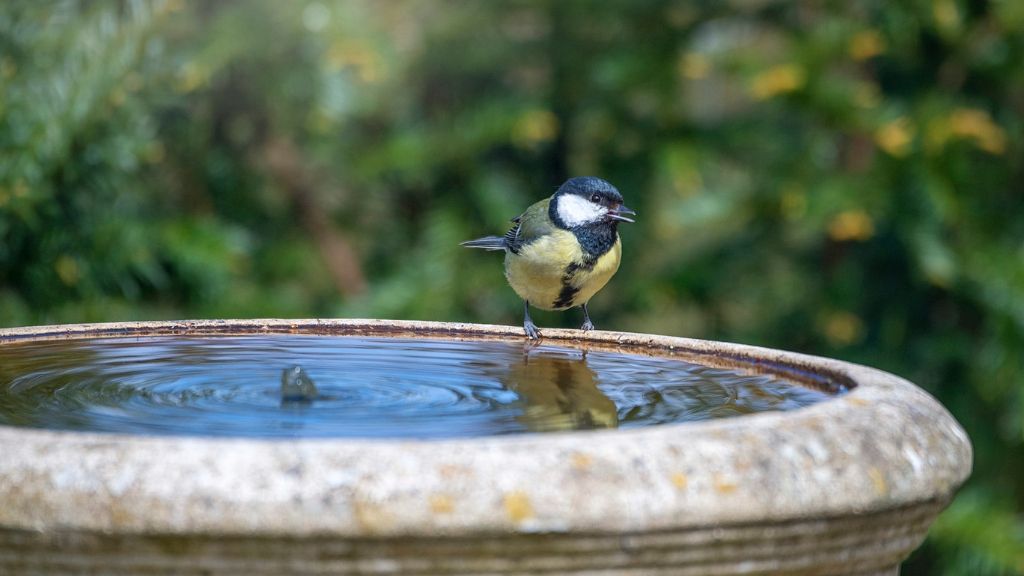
(512, 236)
(487, 243)
(517, 236)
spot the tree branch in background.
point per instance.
(281, 160)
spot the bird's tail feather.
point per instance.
(487, 243)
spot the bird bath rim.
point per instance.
(885, 445)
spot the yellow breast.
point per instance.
(551, 273)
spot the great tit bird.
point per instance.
(563, 249)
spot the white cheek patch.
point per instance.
(575, 210)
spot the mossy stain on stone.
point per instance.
(442, 504)
(724, 485)
(518, 506)
(878, 480)
(581, 461)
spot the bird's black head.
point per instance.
(587, 200)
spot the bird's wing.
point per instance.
(512, 236)
(529, 226)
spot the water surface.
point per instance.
(364, 387)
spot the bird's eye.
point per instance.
(595, 198)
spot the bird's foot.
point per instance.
(531, 330)
(587, 324)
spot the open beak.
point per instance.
(618, 213)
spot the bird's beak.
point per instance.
(618, 212)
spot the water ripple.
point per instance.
(366, 387)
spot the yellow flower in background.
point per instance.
(967, 124)
(534, 127)
(365, 62)
(851, 225)
(67, 270)
(866, 44)
(896, 137)
(843, 328)
(781, 79)
(947, 16)
(694, 65)
(978, 126)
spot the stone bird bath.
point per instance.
(846, 486)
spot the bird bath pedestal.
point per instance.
(846, 486)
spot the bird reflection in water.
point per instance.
(558, 391)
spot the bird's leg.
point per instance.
(587, 324)
(531, 329)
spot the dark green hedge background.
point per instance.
(839, 178)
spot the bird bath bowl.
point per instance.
(847, 485)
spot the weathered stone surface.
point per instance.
(846, 486)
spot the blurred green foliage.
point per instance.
(839, 178)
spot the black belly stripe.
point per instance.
(569, 292)
(566, 296)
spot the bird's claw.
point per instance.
(531, 330)
(587, 326)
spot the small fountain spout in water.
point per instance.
(297, 386)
